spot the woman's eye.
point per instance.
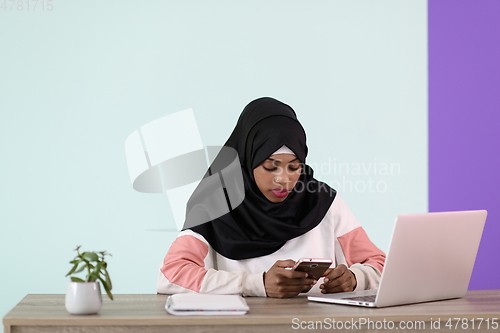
(293, 169)
(270, 169)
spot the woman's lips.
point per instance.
(279, 193)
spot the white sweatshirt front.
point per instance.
(191, 265)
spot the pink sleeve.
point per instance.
(358, 248)
(184, 264)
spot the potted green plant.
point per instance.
(83, 296)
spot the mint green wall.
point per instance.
(76, 81)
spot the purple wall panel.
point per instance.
(464, 120)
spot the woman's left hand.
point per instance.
(337, 280)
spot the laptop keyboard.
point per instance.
(369, 298)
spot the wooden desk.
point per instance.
(146, 313)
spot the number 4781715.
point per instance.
(27, 5)
(474, 323)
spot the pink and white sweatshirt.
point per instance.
(191, 265)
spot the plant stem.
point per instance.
(88, 267)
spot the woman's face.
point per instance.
(277, 176)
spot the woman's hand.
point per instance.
(338, 280)
(282, 283)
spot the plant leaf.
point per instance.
(105, 283)
(72, 270)
(80, 269)
(75, 279)
(92, 277)
(90, 256)
(106, 287)
(97, 268)
(76, 261)
(108, 279)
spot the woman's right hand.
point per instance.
(282, 282)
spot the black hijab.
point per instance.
(257, 226)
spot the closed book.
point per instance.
(205, 304)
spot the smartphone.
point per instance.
(314, 267)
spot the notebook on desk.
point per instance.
(430, 257)
(194, 304)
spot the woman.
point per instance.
(286, 215)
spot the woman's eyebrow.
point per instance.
(279, 161)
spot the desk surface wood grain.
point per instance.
(148, 310)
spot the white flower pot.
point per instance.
(83, 297)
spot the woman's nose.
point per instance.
(283, 178)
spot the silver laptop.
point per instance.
(430, 258)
